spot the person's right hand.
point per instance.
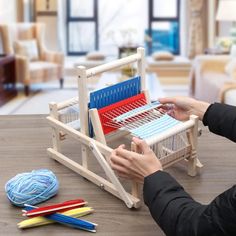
(132, 165)
(182, 107)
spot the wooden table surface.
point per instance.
(23, 144)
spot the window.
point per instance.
(105, 26)
(82, 26)
(164, 26)
(122, 24)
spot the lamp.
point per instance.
(226, 12)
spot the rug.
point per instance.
(38, 102)
(39, 98)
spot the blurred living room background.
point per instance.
(190, 48)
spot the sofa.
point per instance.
(213, 79)
(34, 63)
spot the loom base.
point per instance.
(89, 175)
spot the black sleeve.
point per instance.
(221, 119)
(178, 214)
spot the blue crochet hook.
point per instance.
(67, 220)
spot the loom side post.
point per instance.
(97, 127)
(142, 72)
(55, 132)
(83, 110)
(147, 96)
(141, 67)
(135, 188)
(193, 162)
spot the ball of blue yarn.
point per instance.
(32, 187)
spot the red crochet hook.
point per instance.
(68, 205)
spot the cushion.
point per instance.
(95, 56)
(230, 68)
(27, 48)
(43, 71)
(163, 56)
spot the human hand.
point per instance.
(132, 165)
(182, 107)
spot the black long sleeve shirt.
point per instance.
(175, 211)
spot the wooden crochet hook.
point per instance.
(41, 211)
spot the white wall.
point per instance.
(8, 14)
(224, 29)
(50, 21)
(8, 11)
(51, 31)
(211, 23)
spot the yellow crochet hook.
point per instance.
(40, 220)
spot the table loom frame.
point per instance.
(98, 144)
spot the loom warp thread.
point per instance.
(32, 187)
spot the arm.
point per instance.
(172, 208)
(51, 56)
(179, 215)
(221, 119)
(54, 57)
(22, 69)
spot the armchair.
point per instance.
(34, 63)
(210, 81)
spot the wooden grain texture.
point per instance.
(23, 144)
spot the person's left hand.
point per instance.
(132, 165)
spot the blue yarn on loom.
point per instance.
(32, 187)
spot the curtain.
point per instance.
(61, 26)
(196, 40)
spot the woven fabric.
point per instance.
(155, 127)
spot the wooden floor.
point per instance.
(23, 143)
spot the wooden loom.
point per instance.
(110, 113)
